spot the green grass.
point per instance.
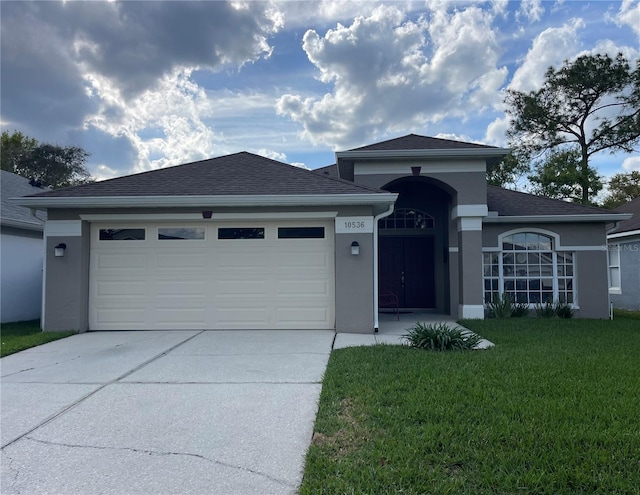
(554, 408)
(22, 335)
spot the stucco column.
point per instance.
(354, 283)
(470, 290)
(66, 278)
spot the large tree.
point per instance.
(622, 188)
(592, 103)
(560, 175)
(51, 165)
(13, 149)
(509, 171)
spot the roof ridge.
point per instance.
(412, 136)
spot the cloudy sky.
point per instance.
(143, 85)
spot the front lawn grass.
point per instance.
(554, 408)
(22, 335)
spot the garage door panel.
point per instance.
(301, 315)
(301, 288)
(243, 259)
(240, 289)
(180, 260)
(212, 283)
(181, 317)
(180, 288)
(296, 260)
(120, 261)
(242, 315)
(116, 315)
(121, 288)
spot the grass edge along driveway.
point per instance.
(552, 409)
(21, 335)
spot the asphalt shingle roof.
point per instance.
(14, 186)
(416, 142)
(515, 203)
(633, 223)
(329, 170)
(237, 174)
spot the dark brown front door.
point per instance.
(407, 270)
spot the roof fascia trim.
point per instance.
(624, 234)
(433, 153)
(197, 217)
(201, 201)
(587, 217)
(18, 224)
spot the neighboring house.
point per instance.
(624, 259)
(242, 241)
(21, 252)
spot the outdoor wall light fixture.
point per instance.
(207, 214)
(59, 249)
(355, 248)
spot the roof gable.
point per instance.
(417, 142)
(239, 174)
(633, 223)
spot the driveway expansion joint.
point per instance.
(161, 453)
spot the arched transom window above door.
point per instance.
(407, 219)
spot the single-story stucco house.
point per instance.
(21, 251)
(246, 242)
(624, 259)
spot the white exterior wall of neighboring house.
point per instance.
(21, 281)
(21, 251)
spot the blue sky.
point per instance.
(143, 85)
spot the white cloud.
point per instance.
(49, 47)
(532, 10)
(496, 132)
(279, 156)
(103, 172)
(629, 14)
(549, 49)
(391, 74)
(165, 126)
(632, 163)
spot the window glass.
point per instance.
(180, 233)
(122, 234)
(241, 233)
(529, 270)
(300, 232)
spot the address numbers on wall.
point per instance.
(353, 225)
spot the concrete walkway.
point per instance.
(161, 412)
(391, 330)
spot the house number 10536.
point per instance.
(361, 225)
(354, 225)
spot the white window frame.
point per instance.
(613, 264)
(556, 248)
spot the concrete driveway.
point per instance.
(183, 412)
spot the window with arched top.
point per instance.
(407, 218)
(529, 268)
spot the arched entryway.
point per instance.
(414, 247)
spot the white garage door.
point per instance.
(212, 276)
